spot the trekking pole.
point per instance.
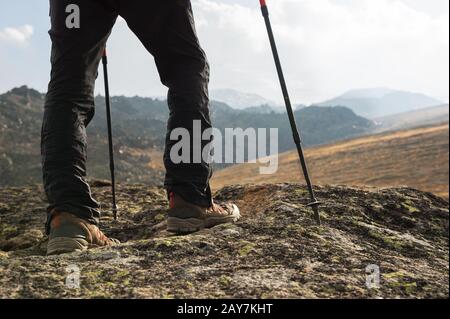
(314, 204)
(110, 140)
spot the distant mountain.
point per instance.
(139, 128)
(378, 102)
(240, 100)
(300, 106)
(426, 116)
(262, 109)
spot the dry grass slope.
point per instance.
(417, 158)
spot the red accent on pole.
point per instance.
(263, 3)
(104, 52)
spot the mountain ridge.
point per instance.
(139, 126)
(378, 102)
(241, 100)
(422, 117)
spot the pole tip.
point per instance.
(315, 207)
(317, 215)
(114, 210)
(263, 3)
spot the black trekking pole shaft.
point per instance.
(110, 139)
(314, 203)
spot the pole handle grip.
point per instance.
(263, 3)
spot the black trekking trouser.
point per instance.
(166, 29)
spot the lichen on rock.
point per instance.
(275, 251)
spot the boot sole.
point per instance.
(64, 245)
(192, 225)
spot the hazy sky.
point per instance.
(327, 47)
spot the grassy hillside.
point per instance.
(417, 158)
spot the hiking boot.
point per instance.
(69, 233)
(185, 217)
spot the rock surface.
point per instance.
(275, 251)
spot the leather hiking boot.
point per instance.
(69, 233)
(185, 218)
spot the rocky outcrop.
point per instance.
(275, 251)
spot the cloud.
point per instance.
(18, 35)
(327, 46)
